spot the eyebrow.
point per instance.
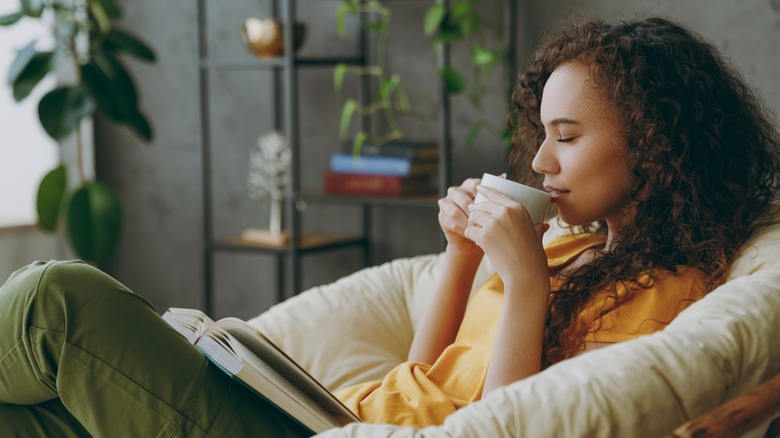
(563, 121)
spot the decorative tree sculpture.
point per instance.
(270, 176)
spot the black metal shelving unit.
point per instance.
(285, 70)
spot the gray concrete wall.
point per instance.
(747, 31)
(160, 254)
(21, 245)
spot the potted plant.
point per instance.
(461, 23)
(450, 24)
(391, 100)
(87, 42)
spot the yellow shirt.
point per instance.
(416, 394)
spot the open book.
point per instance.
(244, 353)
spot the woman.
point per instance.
(641, 133)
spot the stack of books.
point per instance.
(392, 169)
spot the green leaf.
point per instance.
(94, 222)
(141, 126)
(433, 19)
(449, 32)
(32, 8)
(23, 58)
(31, 75)
(350, 106)
(99, 14)
(103, 90)
(473, 132)
(119, 40)
(481, 56)
(375, 26)
(469, 26)
(9, 19)
(341, 13)
(62, 109)
(462, 10)
(338, 76)
(360, 140)
(402, 100)
(388, 86)
(49, 199)
(111, 8)
(452, 80)
(352, 6)
(109, 83)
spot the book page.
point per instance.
(262, 347)
(271, 385)
(189, 322)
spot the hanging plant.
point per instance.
(87, 41)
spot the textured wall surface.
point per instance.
(160, 255)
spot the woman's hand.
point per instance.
(447, 305)
(454, 217)
(504, 231)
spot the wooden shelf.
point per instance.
(254, 63)
(307, 243)
(426, 201)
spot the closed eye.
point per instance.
(565, 140)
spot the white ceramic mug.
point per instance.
(534, 200)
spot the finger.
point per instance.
(473, 233)
(450, 211)
(470, 185)
(495, 196)
(476, 219)
(540, 229)
(461, 195)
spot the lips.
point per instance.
(555, 192)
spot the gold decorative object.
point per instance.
(265, 36)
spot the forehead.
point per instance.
(571, 93)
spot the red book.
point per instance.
(338, 183)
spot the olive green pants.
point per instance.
(81, 355)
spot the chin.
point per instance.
(574, 219)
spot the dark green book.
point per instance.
(418, 151)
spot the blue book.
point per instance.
(395, 166)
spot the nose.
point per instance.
(544, 161)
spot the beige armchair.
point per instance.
(725, 345)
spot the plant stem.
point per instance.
(78, 137)
(381, 55)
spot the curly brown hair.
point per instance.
(701, 145)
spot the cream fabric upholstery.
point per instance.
(361, 326)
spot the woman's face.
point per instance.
(584, 155)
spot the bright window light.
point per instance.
(27, 153)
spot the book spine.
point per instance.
(394, 166)
(362, 184)
(401, 150)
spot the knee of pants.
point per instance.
(71, 289)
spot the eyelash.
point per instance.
(565, 140)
